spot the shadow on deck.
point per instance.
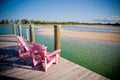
(14, 68)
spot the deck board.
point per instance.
(15, 68)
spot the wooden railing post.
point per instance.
(20, 30)
(57, 37)
(32, 37)
(14, 29)
(27, 34)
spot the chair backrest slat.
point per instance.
(41, 49)
(23, 42)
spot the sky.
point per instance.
(61, 10)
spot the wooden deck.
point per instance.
(11, 67)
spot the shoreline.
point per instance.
(106, 36)
(97, 26)
(51, 25)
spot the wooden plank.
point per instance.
(9, 71)
(75, 74)
(20, 73)
(59, 73)
(32, 74)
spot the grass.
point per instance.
(99, 56)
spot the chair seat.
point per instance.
(24, 54)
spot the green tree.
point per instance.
(17, 21)
(11, 22)
(25, 21)
(4, 22)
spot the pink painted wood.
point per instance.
(26, 48)
(48, 58)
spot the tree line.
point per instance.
(23, 21)
(26, 21)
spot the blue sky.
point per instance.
(61, 10)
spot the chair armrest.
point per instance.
(25, 45)
(30, 47)
(53, 53)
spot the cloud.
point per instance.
(112, 19)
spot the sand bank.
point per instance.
(84, 35)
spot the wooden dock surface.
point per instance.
(13, 68)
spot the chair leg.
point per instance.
(45, 69)
(33, 59)
(56, 60)
(45, 65)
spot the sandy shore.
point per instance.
(84, 35)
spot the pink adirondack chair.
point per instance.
(48, 58)
(26, 48)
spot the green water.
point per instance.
(6, 30)
(99, 56)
